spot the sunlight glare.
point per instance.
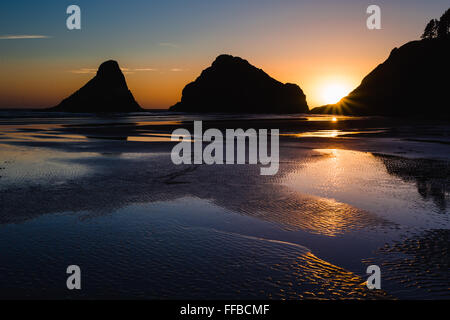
(332, 93)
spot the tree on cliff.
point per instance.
(430, 31)
(438, 28)
(444, 25)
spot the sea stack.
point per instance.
(232, 85)
(106, 92)
(412, 82)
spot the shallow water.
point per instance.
(329, 133)
(362, 180)
(25, 166)
(179, 249)
(103, 194)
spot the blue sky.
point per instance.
(294, 41)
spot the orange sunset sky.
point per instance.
(163, 45)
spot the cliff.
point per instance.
(413, 81)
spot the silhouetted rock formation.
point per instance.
(232, 85)
(106, 92)
(413, 81)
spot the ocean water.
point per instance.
(102, 193)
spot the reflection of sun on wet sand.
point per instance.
(362, 180)
(178, 249)
(327, 133)
(331, 197)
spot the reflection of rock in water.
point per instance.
(432, 177)
(115, 182)
(419, 263)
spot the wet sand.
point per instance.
(348, 192)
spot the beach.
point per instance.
(102, 192)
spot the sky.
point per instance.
(323, 46)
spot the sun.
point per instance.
(332, 93)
